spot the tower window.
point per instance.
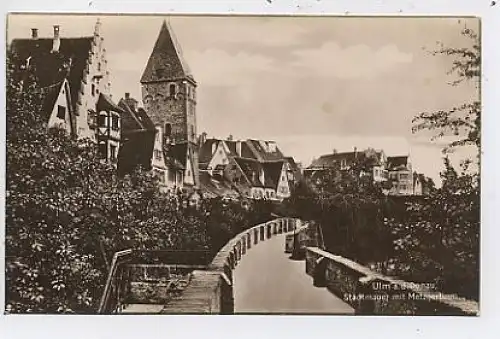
(168, 130)
(93, 89)
(171, 90)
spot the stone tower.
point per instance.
(169, 97)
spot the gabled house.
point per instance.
(400, 174)
(254, 175)
(73, 78)
(169, 169)
(56, 104)
(395, 170)
(336, 160)
(294, 171)
(422, 185)
(258, 168)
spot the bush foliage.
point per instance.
(432, 239)
(67, 212)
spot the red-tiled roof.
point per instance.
(205, 154)
(231, 145)
(335, 159)
(272, 173)
(217, 186)
(263, 154)
(399, 161)
(104, 103)
(50, 68)
(251, 169)
(130, 121)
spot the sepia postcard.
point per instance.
(196, 164)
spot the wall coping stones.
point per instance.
(368, 276)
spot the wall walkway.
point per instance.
(268, 281)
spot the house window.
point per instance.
(93, 89)
(112, 152)
(103, 151)
(91, 117)
(102, 120)
(403, 176)
(171, 90)
(61, 112)
(403, 187)
(114, 122)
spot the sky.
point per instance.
(312, 84)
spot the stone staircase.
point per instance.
(152, 286)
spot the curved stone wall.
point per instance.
(371, 293)
(211, 291)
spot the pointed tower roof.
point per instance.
(166, 61)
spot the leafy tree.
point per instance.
(350, 207)
(67, 212)
(438, 238)
(462, 121)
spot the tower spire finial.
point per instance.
(97, 29)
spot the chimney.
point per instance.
(355, 151)
(127, 95)
(334, 151)
(57, 39)
(202, 138)
(34, 33)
